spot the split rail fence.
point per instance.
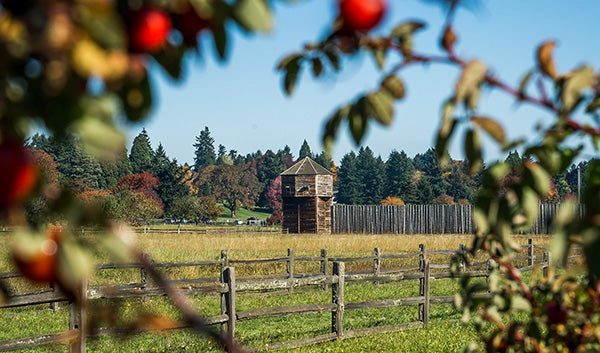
(422, 267)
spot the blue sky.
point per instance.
(242, 103)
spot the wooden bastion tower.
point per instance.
(307, 194)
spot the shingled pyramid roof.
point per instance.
(306, 166)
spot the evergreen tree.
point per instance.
(400, 172)
(223, 157)
(371, 174)
(348, 185)
(268, 167)
(113, 170)
(324, 159)
(429, 165)
(425, 194)
(236, 159)
(204, 154)
(140, 156)
(461, 186)
(78, 170)
(286, 156)
(171, 179)
(304, 151)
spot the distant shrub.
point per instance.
(392, 201)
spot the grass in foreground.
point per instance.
(440, 336)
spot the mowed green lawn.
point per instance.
(442, 335)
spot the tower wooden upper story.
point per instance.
(307, 195)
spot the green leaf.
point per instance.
(317, 66)
(496, 172)
(473, 151)
(403, 35)
(593, 105)
(380, 107)
(332, 125)
(253, 15)
(358, 121)
(407, 28)
(283, 63)
(219, 35)
(524, 82)
(334, 58)
(394, 86)
(292, 70)
(575, 83)
(379, 55)
(480, 221)
(538, 178)
(74, 265)
(518, 303)
(471, 78)
(136, 96)
(559, 247)
(566, 213)
(104, 27)
(170, 58)
(100, 137)
(530, 205)
(443, 140)
(491, 127)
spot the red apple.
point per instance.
(149, 29)
(361, 15)
(18, 173)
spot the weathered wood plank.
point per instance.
(30, 342)
(33, 299)
(296, 343)
(285, 310)
(385, 303)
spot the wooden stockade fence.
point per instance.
(422, 219)
(421, 266)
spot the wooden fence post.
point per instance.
(546, 264)
(489, 266)
(324, 265)
(377, 262)
(53, 305)
(337, 298)
(462, 251)
(144, 277)
(530, 253)
(228, 300)
(424, 292)
(224, 260)
(78, 320)
(290, 268)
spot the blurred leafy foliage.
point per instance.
(555, 312)
(69, 66)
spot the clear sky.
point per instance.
(242, 103)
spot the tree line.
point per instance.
(143, 183)
(365, 179)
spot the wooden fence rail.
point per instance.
(422, 266)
